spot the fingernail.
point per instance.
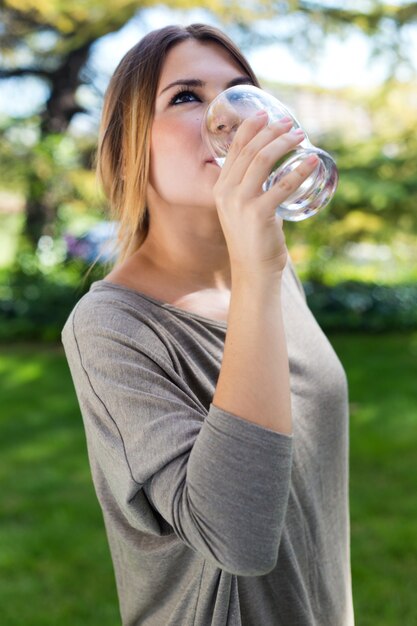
(261, 113)
(285, 119)
(298, 131)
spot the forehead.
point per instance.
(202, 60)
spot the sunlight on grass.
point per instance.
(26, 372)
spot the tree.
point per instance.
(42, 39)
(27, 25)
(56, 43)
(305, 23)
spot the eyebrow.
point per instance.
(195, 82)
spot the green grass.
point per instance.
(382, 372)
(54, 562)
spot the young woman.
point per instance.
(214, 407)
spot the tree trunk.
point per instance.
(65, 80)
(60, 109)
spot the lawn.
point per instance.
(54, 562)
(382, 374)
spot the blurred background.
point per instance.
(348, 72)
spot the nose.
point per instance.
(226, 125)
(225, 119)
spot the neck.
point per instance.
(193, 255)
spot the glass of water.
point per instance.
(221, 121)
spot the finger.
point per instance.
(289, 183)
(249, 128)
(257, 163)
(245, 151)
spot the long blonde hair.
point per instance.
(123, 153)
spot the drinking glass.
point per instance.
(221, 121)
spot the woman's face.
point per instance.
(182, 171)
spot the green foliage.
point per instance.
(51, 168)
(355, 306)
(35, 303)
(375, 200)
(379, 178)
(10, 228)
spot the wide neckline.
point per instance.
(160, 303)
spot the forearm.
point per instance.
(254, 381)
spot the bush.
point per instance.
(35, 302)
(34, 305)
(356, 306)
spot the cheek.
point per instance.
(173, 139)
(175, 151)
(161, 137)
(163, 155)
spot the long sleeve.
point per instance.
(220, 483)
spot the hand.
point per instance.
(253, 231)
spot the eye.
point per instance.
(185, 95)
